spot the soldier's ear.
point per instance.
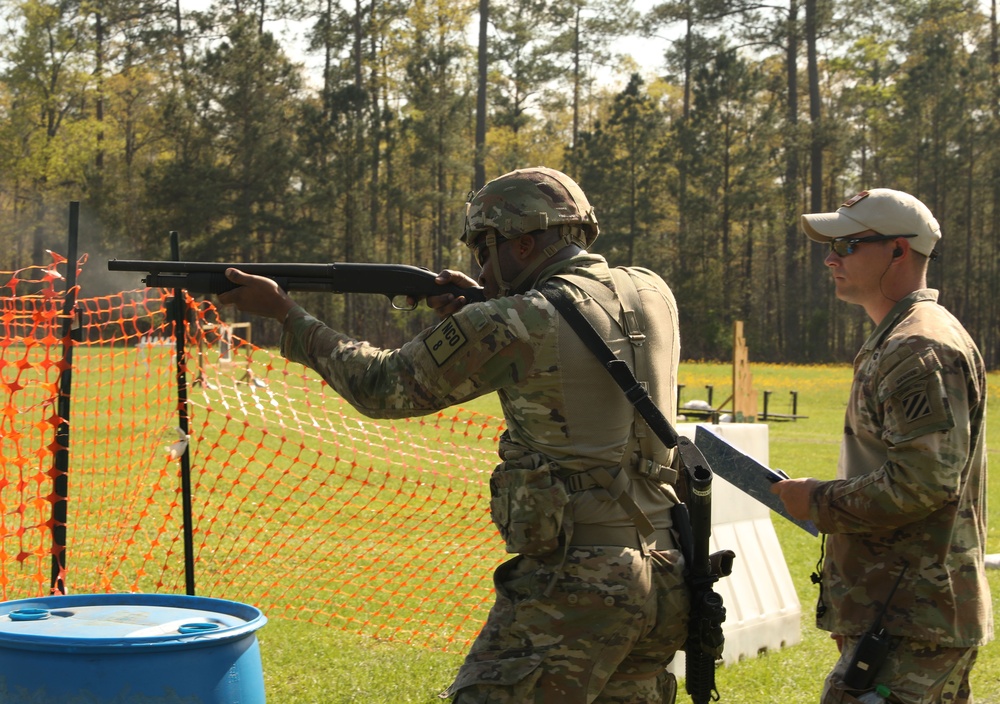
(525, 246)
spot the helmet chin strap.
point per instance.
(503, 288)
(568, 234)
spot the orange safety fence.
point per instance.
(300, 506)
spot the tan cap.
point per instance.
(883, 210)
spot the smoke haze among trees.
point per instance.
(157, 117)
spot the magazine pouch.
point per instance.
(528, 502)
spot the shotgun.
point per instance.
(397, 281)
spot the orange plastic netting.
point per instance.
(300, 506)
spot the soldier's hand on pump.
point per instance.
(258, 295)
(448, 303)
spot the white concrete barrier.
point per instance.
(762, 607)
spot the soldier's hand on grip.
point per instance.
(447, 303)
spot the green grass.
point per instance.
(313, 663)
(308, 664)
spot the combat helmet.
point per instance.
(527, 201)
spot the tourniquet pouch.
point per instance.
(528, 502)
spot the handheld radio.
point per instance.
(873, 647)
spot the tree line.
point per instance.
(162, 117)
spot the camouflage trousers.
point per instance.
(601, 629)
(917, 673)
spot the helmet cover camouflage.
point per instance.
(530, 200)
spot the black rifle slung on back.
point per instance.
(393, 280)
(693, 520)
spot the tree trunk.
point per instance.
(479, 178)
(682, 166)
(818, 347)
(576, 92)
(793, 240)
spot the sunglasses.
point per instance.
(846, 245)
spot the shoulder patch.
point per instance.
(916, 398)
(916, 405)
(446, 339)
(905, 368)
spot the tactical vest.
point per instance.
(533, 500)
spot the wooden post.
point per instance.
(744, 398)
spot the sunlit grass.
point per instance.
(314, 663)
(305, 664)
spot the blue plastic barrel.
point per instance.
(118, 648)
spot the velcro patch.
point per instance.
(920, 409)
(916, 405)
(446, 339)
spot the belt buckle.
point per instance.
(651, 469)
(648, 468)
(574, 482)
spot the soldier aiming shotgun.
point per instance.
(593, 603)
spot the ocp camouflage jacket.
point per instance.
(911, 484)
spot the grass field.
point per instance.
(308, 664)
(321, 663)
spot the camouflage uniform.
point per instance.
(911, 487)
(597, 615)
